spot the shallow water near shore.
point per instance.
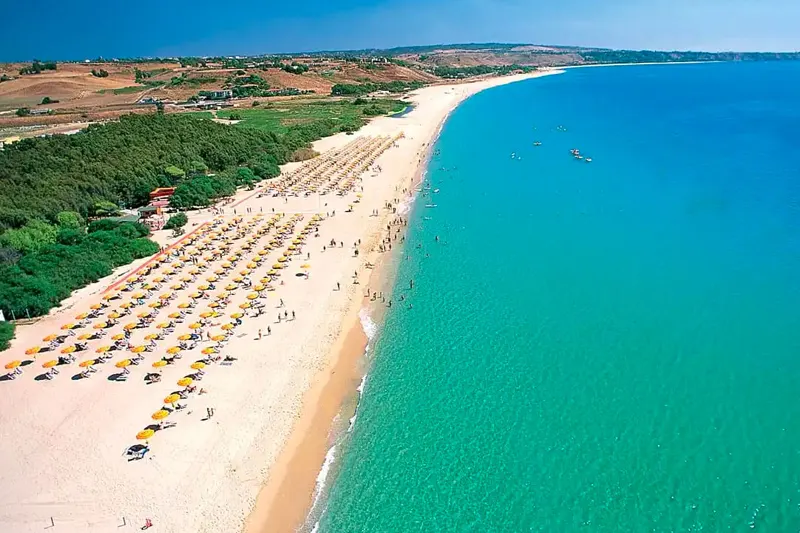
(609, 346)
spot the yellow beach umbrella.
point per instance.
(50, 364)
(237, 315)
(50, 338)
(199, 365)
(218, 338)
(195, 325)
(108, 297)
(244, 306)
(227, 327)
(174, 350)
(159, 363)
(245, 271)
(174, 315)
(114, 315)
(165, 296)
(212, 278)
(158, 279)
(160, 414)
(129, 326)
(206, 314)
(124, 363)
(103, 349)
(13, 364)
(126, 305)
(208, 351)
(203, 287)
(87, 363)
(213, 305)
(81, 316)
(151, 337)
(172, 398)
(146, 434)
(139, 349)
(68, 326)
(31, 351)
(185, 382)
(68, 349)
(100, 325)
(251, 265)
(154, 305)
(252, 296)
(138, 295)
(184, 305)
(118, 337)
(162, 325)
(145, 314)
(230, 287)
(184, 337)
(194, 295)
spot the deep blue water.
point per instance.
(600, 347)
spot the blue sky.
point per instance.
(82, 29)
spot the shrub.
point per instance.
(176, 221)
(6, 334)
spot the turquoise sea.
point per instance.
(603, 347)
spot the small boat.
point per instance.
(537, 143)
(575, 151)
(588, 159)
(578, 156)
(430, 205)
(435, 190)
(513, 155)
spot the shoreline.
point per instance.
(275, 400)
(286, 499)
(596, 65)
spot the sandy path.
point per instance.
(63, 440)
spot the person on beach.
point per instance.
(259, 334)
(269, 331)
(293, 315)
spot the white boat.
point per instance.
(435, 190)
(588, 159)
(537, 143)
(430, 205)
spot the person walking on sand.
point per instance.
(293, 315)
(281, 304)
(411, 284)
(269, 330)
(259, 334)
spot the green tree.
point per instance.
(69, 220)
(177, 220)
(6, 334)
(23, 112)
(197, 167)
(105, 209)
(30, 238)
(174, 173)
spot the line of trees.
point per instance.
(479, 70)
(360, 89)
(38, 66)
(123, 161)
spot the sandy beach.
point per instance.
(246, 452)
